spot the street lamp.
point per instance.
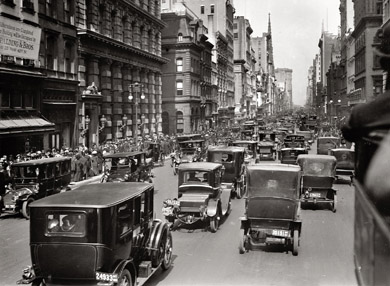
(137, 87)
(87, 120)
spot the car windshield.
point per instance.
(318, 168)
(222, 157)
(66, 224)
(195, 176)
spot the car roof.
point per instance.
(342, 149)
(328, 137)
(99, 195)
(123, 154)
(292, 148)
(244, 141)
(274, 167)
(312, 157)
(40, 161)
(200, 166)
(226, 149)
(192, 141)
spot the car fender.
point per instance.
(212, 207)
(126, 264)
(156, 234)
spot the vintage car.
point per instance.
(101, 234)
(266, 150)
(308, 135)
(35, 179)
(318, 175)
(201, 196)
(290, 155)
(325, 144)
(232, 158)
(272, 208)
(192, 150)
(250, 149)
(345, 165)
(294, 141)
(368, 128)
(127, 167)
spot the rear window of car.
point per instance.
(70, 224)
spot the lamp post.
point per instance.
(103, 121)
(137, 88)
(124, 124)
(87, 120)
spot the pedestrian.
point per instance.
(79, 173)
(95, 163)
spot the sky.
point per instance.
(296, 29)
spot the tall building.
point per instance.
(284, 76)
(244, 69)
(217, 16)
(119, 69)
(23, 128)
(187, 90)
(259, 45)
(368, 72)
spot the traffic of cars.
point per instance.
(209, 176)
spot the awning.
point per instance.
(25, 124)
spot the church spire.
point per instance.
(270, 49)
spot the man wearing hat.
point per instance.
(94, 163)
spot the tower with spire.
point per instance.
(270, 49)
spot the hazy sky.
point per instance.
(296, 28)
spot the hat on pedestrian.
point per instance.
(94, 152)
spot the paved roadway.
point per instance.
(204, 258)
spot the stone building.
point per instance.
(119, 69)
(187, 90)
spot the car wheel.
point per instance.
(242, 248)
(39, 282)
(238, 190)
(334, 204)
(125, 278)
(167, 257)
(26, 208)
(214, 222)
(295, 242)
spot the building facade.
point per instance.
(120, 62)
(284, 76)
(21, 80)
(188, 103)
(368, 72)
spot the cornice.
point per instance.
(98, 37)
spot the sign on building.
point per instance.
(18, 39)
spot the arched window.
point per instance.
(179, 122)
(180, 37)
(179, 64)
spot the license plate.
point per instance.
(315, 195)
(9, 206)
(107, 277)
(280, 232)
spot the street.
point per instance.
(204, 258)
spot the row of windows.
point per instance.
(15, 98)
(212, 10)
(195, 65)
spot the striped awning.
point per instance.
(22, 124)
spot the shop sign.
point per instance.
(19, 39)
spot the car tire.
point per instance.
(26, 208)
(295, 242)
(238, 190)
(334, 204)
(38, 282)
(167, 257)
(214, 221)
(242, 248)
(125, 278)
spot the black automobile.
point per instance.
(101, 234)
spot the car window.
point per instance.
(66, 224)
(124, 218)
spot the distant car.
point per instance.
(35, 179)
(127, 167)
(201, 196)
(101, 234)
